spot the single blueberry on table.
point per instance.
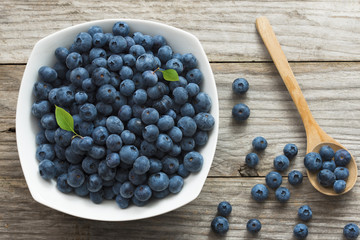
(295, 177)
(351, 231)
(281, 163)
(241, 112)
(259, 143)
(240, 86)
(282, 194)
(290, 150)
(305, 213)
(326, 153)
(339, 186)
(224, 208)
(342, 157)
(273, 180)
(47, 169)
(313, 161)
(220, 225)
(326, 178)
(253, 226)
(300, 231)
(259, 192)
(252, 159)
(341, 173)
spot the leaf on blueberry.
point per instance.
(64, 120)
(169, 74)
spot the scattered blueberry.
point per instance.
(253, 226)
(259, 143)
(305, 213)
(351, 231)
(290, 150)
(220, 225)
(252, 159)
(224, 209)
(281, 163)
(259, 192)
(282, 194)
(241, 112)
(240, 85)
(273, 180)
(295, 177)
(301, 231)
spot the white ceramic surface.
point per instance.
(45, 192)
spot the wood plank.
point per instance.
(307, 30)
(273, 115)
(21, 217)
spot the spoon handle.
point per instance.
(268, 36)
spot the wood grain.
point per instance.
(22, 218)
(273, 114)
(307, 30)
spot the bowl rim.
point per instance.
(21, 141)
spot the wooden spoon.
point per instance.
(316, 137)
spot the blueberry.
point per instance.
(305, 213)
(150, 116)
(61, 54)
(189, 61)
(127, 87)
(259, 143)
(143, 192)
(94, 183)
(164, 53)
(140, 97)
(120, 100)
(81, 97)
(83, 42)
(150, 133)
(339, 186)
(281, 163)
(176, 183)
(175, 134)
(165, 123)
(86, 128)
(95, 29)
(326, 153)
(241, 112)
(170, 165)
(136, 51)
(194, 76)
(220, 225)
(97, 53)
(62, 185)
(204, 121)
(141, 165)
(112, 160)
(88, 112)
(164, 143)
(101, 76)
(341, 173)
(193, 89)
(313, 161)
(138, 203)
(137, 179)
(121, 28)
(73, 157)
(240, 86)
(253, 226)
(158, 41)
(342, 157)
(329, 165)
(47, 74)
(136, 126)
(108, 193)
(201, 138)
(41, 90)
(99, 40)
(282, 194)
(128, 137)
(182, 171)
(106, 94)
(273, 180)
(50, 135)
(150, 78)
(73, 60)
(187, 125)
(202, 102)
(75, 178)
(45, 151)
(82, 191)
(193, 161)
(128, 154)
(78, 75)
(88, 85)
(147, 43)
(47, 169)
(104, 108)
(121, 174)
(40, 138)
(145, 62)
(181, 83)
(158, 181)
(161, 194)
(326, 178)
(224, 209)
(114, 125)
(99, 135)
(300, 231)
(295, 177)
(290, 150)
(157, 91)
(251, 159)
(97, 152)
(97, 197)
(187, 110)
(117, 44)
(125, 113)
(175, 64)
(40, 108)
(259, 192)
(351, 231)
(48, 121)
(127, 190)
(122, 202)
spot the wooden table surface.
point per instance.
(320, 38)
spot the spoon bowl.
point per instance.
(316, 137)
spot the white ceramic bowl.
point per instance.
(45, 192)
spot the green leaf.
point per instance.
(170, 75)
(64, 119)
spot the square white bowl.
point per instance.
(45, 192)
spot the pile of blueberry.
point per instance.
(331, 166)
(138, 134)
